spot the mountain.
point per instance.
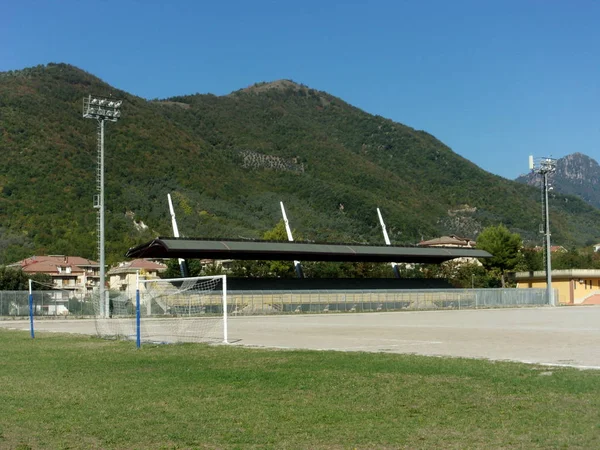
(227, 162)
(576, 174)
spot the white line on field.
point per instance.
(573, 366)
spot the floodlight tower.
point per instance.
(102, 109)
(544, 167)
(297, 265)
(386, 238)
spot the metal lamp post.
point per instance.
(102, 109)
(544, 167)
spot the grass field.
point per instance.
(68, 391)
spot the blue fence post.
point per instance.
(31, 310)
(137, 318)
(31, 315)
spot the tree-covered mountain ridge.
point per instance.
(229, 160)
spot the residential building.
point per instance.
(123, 277)
(72, 276)
(70, 273)
(448, 241)
(453, 241)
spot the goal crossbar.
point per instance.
(185, 305)
(169, 310)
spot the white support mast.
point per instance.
(182, 264)
(387, 242)
(297, 265)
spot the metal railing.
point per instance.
(281, 302)
(55, 303)
(62, 303)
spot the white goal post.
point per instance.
(168, 310)
(192, 309)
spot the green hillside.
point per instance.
(228, 161)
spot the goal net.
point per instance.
(169, 310)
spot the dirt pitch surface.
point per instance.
(563, 336)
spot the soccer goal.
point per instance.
(183, 309)
(169, 310)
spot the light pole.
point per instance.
(544, 167)
(102, 109)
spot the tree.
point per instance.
(264, 269)
(17, 280)
(277, 233)
(250, 269)
(174, 271)
(324, 269)
(573, 259)
(279, 269)
(505, 248)
(533, 259)
(468, 275)
(328, 269)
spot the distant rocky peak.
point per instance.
(275, 85)
(576, 174)
(578, 167)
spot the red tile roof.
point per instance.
(142, 264)
(451, 240)
(50, 264)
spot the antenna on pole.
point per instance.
(386, 238)
(183, 268)
(297, 265)
(544, 167)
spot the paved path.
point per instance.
(559, 336)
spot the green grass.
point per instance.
(67, 391)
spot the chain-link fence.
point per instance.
(278, 302)
(56, 303)
(68, 304)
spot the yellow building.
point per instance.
(574, 286)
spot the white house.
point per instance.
(123, 277)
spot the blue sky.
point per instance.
(494, 80)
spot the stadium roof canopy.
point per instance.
(166, 247)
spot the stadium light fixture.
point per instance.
(102, 109)
(544, 167)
